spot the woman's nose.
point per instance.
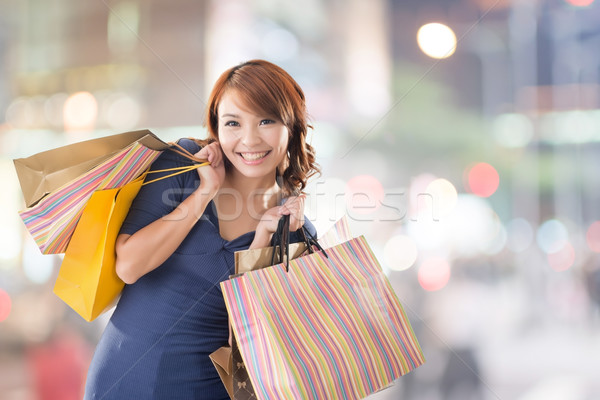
(250, 136)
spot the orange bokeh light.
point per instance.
(80, 111)
(483, 180)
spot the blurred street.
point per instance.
(460, 137)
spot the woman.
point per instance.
(181, 233)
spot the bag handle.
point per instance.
(281, 238)
(179, 170)
(177, 148)
(182, 151)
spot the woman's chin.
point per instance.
(254, 171)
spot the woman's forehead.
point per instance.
(234, 103)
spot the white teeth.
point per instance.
(253, 156)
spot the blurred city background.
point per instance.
(461, 137)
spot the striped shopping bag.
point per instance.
(331, 327)
(52, 220)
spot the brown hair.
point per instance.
(267, 88)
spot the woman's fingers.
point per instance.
(212, 153)
(294, 207)
(211, 177)
(218, 155)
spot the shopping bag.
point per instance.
(227, 360)
(330, 327)
(66, 178)
(241, 385)
(47, 171)
(87, 280)
(232, 371)
(223, 361)
(249, 260)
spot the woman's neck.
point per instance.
(262, 192)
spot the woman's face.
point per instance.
(254, 143)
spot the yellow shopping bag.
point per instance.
(87, 280)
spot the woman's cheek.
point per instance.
(225, 142)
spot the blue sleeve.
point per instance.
(308, 226)
(158, 199)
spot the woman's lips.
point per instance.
(253, 158)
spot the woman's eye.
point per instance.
(267, 121)
(232, 123)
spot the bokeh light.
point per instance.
(520, 235)
(20, 113)
(80, 111)
(512, 130)
(576, 126)
(580, 3)
(593, 237)
(552, 236)
(10, 243)
(38, 273)
(364, 194)
(444, 197)
(434, 274)
(5, 305)
(326, 202)
(482, 179)
(419, 199)
(496, 242)
(562, 259)
(53, 109)
(123, 112)
(37, 267)
(473, 228)
(436, 40)
(400, 252)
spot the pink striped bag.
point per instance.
(52, 220)
(329, 328)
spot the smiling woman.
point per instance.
(255, 144)
(179, 239)
(266, 92)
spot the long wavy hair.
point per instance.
(268, 89)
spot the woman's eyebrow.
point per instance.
(229, 115)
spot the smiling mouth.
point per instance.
(254, 156)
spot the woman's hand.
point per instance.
(211, 176)
(293, 206)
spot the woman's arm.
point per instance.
(149, 247)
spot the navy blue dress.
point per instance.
(158, 340)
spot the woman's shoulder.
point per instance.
(189, 144)
(174, 154)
